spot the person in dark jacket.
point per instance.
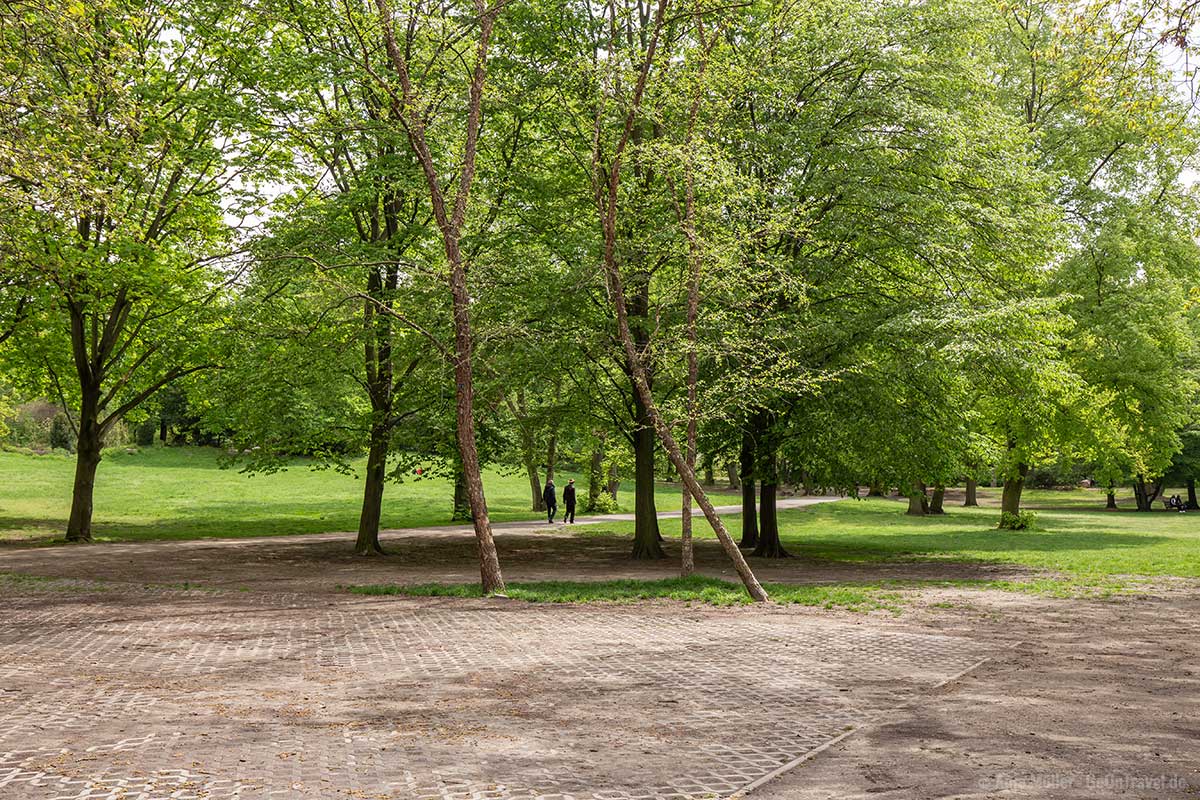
(569, 502)
(548, 497)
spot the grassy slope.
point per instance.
(182, 493)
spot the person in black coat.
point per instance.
(569, 502)
(548, 497)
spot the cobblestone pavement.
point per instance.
(137, 693)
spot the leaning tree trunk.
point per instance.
(1192, 505)
(372, 505)
(749, 510)
(972, 493)
(87, 459)
(935, 502)
(918, 503)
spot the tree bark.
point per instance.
(1146, 493)
(462, 498)
(1010, 499)
(1192, 505)
(972, 493)
(372, 506)
(935, 502)
(87, 459)
(450, 223)
(918, 503)
(1111, 500)
(607, 186)
(710, 478)
(749, 508)
(769, 545)
(646, 540)
(614, 481)
(551, 455)
(595, 479)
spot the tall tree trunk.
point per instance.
(162, 429)
(939, 497)
(607, 186)
(535, 486)
(972, 493)
(646, 540)
(614, 481)
(1192, 505)
(450, 222)
(87, 459)
(372, 506)
(749, 507)
(710, 478)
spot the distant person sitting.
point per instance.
(550, 500)
(569, 502)
(1176, 503)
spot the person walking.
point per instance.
(550, 500)
(569, 502)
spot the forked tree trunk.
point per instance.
(1146, 493)
(450, 222)
(935, 502)
(607, 186)
(749, 506)
(87, 459)
(372, 506)
(972, 493)
(769, 544)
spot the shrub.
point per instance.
(604, 504)
(1022, 520)
(61, 435)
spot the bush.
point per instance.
(604, 504)
(61, 435)
(1022, 520)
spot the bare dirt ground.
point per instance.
(270, 682)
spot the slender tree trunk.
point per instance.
(749, 507)
(972, 493)
(935, 502)
(450, 223)
(535, 486)
(372, 505)
(1192, 505)
(87, 459)
(162, 429)
(614, 481)
(607, 186)
(551, 455)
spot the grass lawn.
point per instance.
(182, 493)
(1071, 537)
